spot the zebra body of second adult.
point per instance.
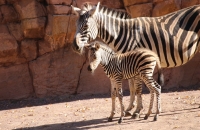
(174, 37)
(140, 62)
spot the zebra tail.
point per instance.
(160, 76)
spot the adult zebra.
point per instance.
(165, 35)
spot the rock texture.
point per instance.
(16, 82)
(35, 49)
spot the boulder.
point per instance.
(166, 7)
(115, 4)
(135, 2)
(59, 2)
(138, 10)
(8, 11)
(28, 49)
(34, 28)
(29, 9)
(15, 82)
(58, 9)
(60, 30)
(187, 3)
(2, 2)
(16, 30)
(56, 73)
(44, 47)
(155, 1)
(79, 3)
(9, 47)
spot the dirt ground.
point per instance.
(180, 111)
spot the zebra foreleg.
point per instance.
(120, 96)
(113, 97)
(138, 85)
(132, 89)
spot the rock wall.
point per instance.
(35, 49)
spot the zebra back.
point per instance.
(106, 11)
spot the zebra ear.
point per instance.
(76, 10)
(95, 9)
(97, 46)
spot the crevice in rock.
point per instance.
(78, 82)
(31, 76)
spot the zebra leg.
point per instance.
(113, 97)
(158, 101)
(138, 84)
(120, 96)
(150, 105)
(154, 87)
(132, 89)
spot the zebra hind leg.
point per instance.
(158, 103)
(154, 87)
(150, 105)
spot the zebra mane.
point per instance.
(107, 11)
(105, 47)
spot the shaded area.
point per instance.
(102, 123)
(33, 101)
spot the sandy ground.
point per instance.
(180, 111)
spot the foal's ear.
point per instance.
(97, 46)
(95, 10)
(76, 10)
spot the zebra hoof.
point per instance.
(109, 119)
(155, 118)
(120, 120)
(135, 116)
(127, 114)
(146, 117)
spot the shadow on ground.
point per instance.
(33, 101)
(102, 123)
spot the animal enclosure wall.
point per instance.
(35, 49)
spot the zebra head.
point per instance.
(94, 56)
(86, 27)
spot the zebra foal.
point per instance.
(140, 62)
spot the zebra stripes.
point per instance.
(173, 37)
(125, 66)
(165, 35)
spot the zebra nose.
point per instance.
(75, 47)
(89, 68)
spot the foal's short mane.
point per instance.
(107, 11)
(105, 47)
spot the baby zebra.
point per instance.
(140, 62)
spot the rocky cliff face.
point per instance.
(35, 49)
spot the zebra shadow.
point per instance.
(80, 125)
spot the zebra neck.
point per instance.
(107, 59)
(115, 32)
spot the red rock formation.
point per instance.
(36, 56)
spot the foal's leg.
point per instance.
(120, 96)
(154, 87)
(158, 101)
(113, 97)
(138, 85)
(132, 89)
